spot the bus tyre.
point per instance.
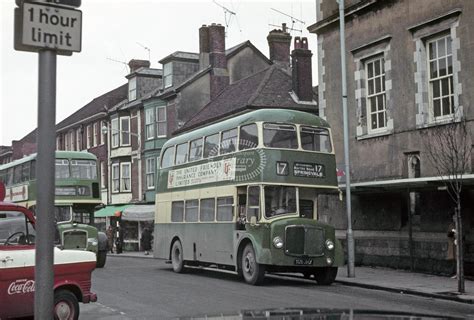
(325, 276)
(66, 306)
(177, 257)
(101, 258)
(252, 271)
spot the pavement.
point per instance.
(378, 278)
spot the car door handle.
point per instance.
(6, 259)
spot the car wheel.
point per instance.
(253, 272)
(101, 259)
(177, 259)
(66, 306)
(325, 276)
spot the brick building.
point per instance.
(409, 69)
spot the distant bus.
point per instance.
(77, 193)
(242, 195)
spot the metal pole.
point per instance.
(46, 141)
(349, 235)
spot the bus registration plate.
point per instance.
(303, 261)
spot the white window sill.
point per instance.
(374, 135)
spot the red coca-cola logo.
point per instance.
(21, 286)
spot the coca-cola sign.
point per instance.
(21, 286)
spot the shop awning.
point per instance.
(139, 213)
(109, 211)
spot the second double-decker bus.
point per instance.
(242, 195)
(77, 193)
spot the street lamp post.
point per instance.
(105, 130)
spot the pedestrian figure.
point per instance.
(146, 240)
(110, 238)
(451, 243)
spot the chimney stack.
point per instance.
(212, 52)
(135, 64)
(279, 42)
(302, 73)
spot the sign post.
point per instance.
(49, 30)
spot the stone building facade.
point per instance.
(409, 69)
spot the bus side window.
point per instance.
(306, 209)
(225, 208)
(177, 211)
(253, 202)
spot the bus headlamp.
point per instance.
(278, 242)
(92, 241)
(329, 261)
(329, 244)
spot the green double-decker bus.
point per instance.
(77, 193)
(242, 195)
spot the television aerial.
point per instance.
(228, 16)
(146, 48)
(293, 20)
(121, 62)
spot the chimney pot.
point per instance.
(135, 64)
(279, 42)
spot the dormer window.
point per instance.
(168, 75)
(132, 89)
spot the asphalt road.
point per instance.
(135, 288)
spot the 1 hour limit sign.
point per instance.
(51, 27)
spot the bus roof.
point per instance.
(59, 155)
(269, 115)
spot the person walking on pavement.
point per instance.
(110, 238)
(451, 244)
(146, 240)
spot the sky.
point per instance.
(116, 31)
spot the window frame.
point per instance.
(160, 122)
(123, 178)
(150, 171)
(376, 94)
(124, 134)
(132, 89)
(114, 132)
(115, 176)
(150, 123)
(449, 76)
(168, 75)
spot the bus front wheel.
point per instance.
(101, 259)
(177, 257)
(325, 276)
(252, 271)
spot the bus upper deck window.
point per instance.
(248, 137)
(315, 139)
(62, 168)
(195, 149)
(229, 141)
(280, 136)
(167, 158)
(181, 153)
(211, 146)
(84, 169)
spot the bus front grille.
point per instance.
(75, 239)
(304, 240)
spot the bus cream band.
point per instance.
(18, 193)
(222, 170)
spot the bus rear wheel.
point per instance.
(252, 272)
(325, 276)
(177, 259)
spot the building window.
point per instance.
(168, 75)
(440, 75)
(150, 173)
(161, 122)
(103, 175)
(376, 110)
(125, 184)
(102, 133)
(149, 123)
(58, 142)
(89, 136)
(115, 133)
(125, 131)
(78, 140)
(115, 178)
(96, 134)
(132, 89)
